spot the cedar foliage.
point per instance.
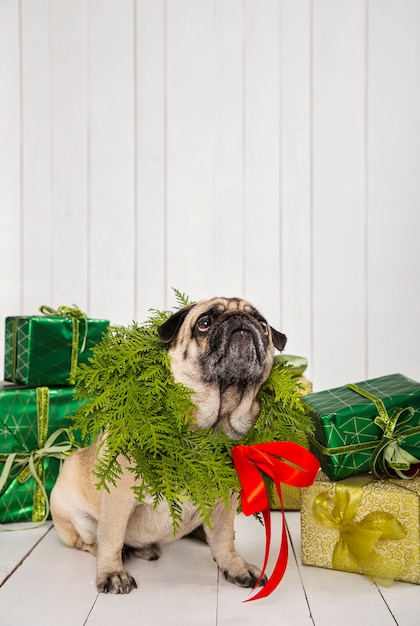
(131, 396)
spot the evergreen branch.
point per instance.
(181, 298)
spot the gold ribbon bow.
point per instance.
(355, 547)
(31, 463)
(74, 313)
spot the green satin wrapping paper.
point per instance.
(344, 418)
(19, 433)
(39, 349)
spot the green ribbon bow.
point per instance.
(355, 547)
(74, 313)
(388, 454)
(31, 463)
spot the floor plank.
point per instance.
(353, 598)
(15, 544)
(403, 601)
(55, 586)
(286, 605)
(179, 588)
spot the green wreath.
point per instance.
(130, 394)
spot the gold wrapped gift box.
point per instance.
(304, 385)
(290, 495)
(363, 525)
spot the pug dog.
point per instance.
(223, 350)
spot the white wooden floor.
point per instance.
(46, 584)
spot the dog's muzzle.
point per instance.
(236, 353)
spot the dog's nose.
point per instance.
(237, 320)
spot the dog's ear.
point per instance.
(169, 329)
(279, 339)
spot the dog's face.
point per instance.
(223, 350)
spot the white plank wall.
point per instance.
(266, 148)
(338, 182)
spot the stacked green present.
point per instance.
(36, 404)
(363, 512)
(46, 349)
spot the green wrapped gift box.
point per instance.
(46, 349)
(34, 439)
(371, 426)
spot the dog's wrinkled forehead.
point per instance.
(187, 317)
(220, 309)
(218, 306)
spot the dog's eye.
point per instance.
(264, 326)
(203, 323)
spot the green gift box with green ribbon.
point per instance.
(372, 426)
(35, 437)
(46, 349)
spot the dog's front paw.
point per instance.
(247, 576)
(116, 582)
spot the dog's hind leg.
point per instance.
(69, 535)
(150, 552)
(77, 533)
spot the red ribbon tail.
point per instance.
(285, 462)
(281, 563)
(267, 524)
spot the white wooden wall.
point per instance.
(263, 148)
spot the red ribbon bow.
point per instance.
(296, 466)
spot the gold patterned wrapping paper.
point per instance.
(305, 385)
(291, 498)
(364, 526)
